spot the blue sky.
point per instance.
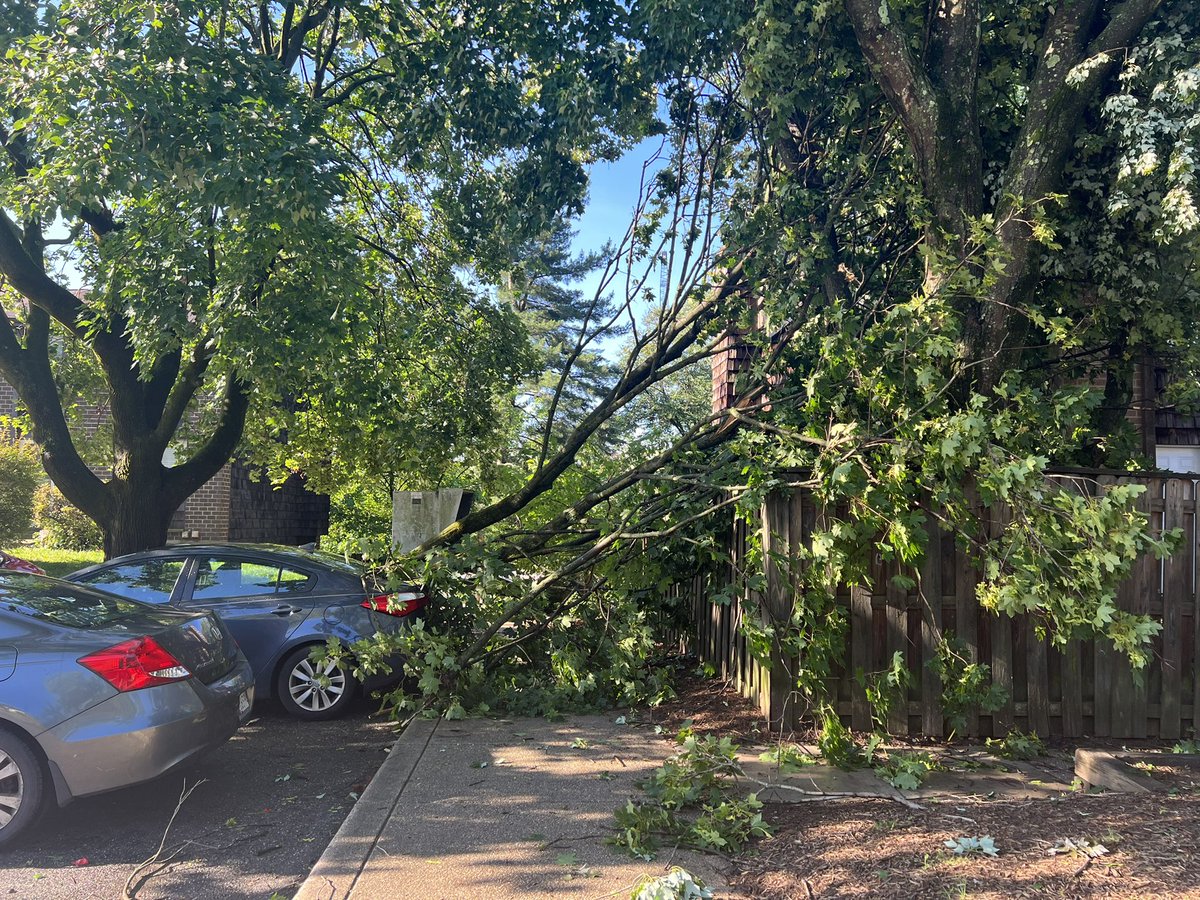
(612, 198)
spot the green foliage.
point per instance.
(788, 758)
(20, 474)
(692, 801)
(839, 747)
(360, 509)
(303, 212)
(1017, 745)
(887, 395)
(966, 686)
(1066, 555)
(885, 689)
(907, 771)
(573, 653)
(562, 322)
(60, 524)
(937, 347)
(678, 884)
(1186, 746)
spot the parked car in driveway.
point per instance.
(279, 602)
(99, 692)
(11, 563)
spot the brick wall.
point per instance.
(204, 516)
(8, 401)
(289, 514)
(732, 356)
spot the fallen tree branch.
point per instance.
(807, 795)
(135, 883)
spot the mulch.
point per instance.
(871, 848)
(711, 706)
(878, 849)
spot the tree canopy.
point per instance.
(947, 234)
(250, 194)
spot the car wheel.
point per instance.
(312, 690)
(22, 786)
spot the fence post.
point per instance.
(897, 642)
(1001, 626)
(862, 642)
(1176, 585)
(966, 611)
(1037, 682)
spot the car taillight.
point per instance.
(136, 664)
(392, 605)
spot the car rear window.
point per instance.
(150, 581)
(57, 602)
(332, 560)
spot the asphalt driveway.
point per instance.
(271, 800)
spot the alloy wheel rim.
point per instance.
(316, 686)
(12, 788)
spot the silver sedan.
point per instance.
(99, 692)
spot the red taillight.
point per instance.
(136, 664)
(392, 605)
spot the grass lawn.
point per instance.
(58, 562)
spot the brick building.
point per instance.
(1169, 437)
(235, 505)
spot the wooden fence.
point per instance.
(1084, 689)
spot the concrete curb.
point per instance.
(338, 869)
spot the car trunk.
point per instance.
(202, 644)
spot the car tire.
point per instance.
(22, 786)
(303, 692)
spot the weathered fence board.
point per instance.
(932, 600)
(862, 615)
(1081, 689)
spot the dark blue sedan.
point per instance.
(279, 602)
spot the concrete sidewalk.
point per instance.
(499, 808)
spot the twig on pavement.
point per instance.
(137, 880)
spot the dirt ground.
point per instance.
(710, 706)
(873, 848)
(879, 849)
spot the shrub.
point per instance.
(20, 473)
(62, 525)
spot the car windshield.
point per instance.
(60, 603)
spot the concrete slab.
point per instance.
(347, 854)
(1119, 770)
(499, 809)
(962, 774)
(820, 777)
(521, 808)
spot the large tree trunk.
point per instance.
(137, 519)
(935, 95)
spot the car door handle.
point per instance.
(285, 610)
